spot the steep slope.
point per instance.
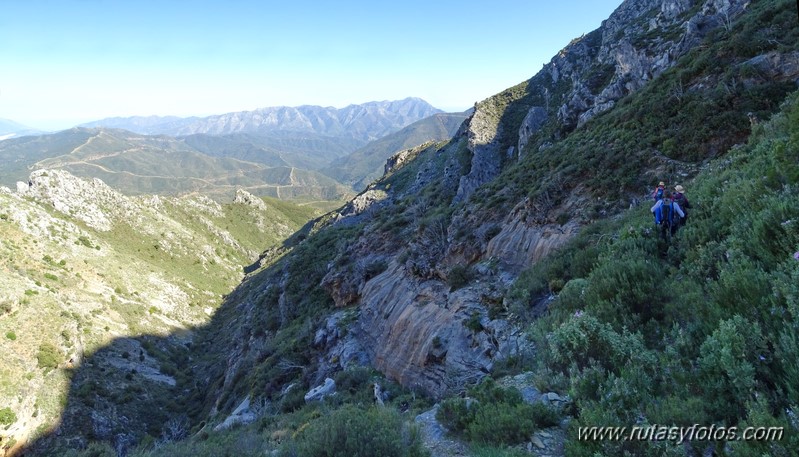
(85, 268)
(366, 164)
(364, 122)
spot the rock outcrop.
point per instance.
(483, 133)
(519, 245)
(322, 391)
(245, 198)
(532, 123)
(426, 336)
(630, 58)
(88, 201)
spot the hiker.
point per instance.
(682, 200)
(666, 213)
(657, 194)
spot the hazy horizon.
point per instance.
(82, 61)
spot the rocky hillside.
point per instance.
(524, 246)
(84, 269)
(364, 122)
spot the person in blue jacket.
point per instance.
(668, 212)
(657, 194)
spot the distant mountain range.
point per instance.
(11, 129)
(307, 151)
(365, 122)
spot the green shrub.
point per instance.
(728, 364)
(501, 423)
(494, 415)
(584, 338)
(84, 241)
(473, 322)
(48, 356)
(98, 449)
(458, 277)
(354, 432)
(7, 416)
(455, 414)
(11, 335)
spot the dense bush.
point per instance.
(354, 432)
(48, 356)
(494, 415)
(458, 277)
(7, 416)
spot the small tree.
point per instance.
(7, 416)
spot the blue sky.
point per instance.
(71, 61)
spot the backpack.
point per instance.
(659, 193)
(669, 218)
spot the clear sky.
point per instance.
(63, 62)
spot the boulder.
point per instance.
(320, 392)
(245, 198)
(241, 415)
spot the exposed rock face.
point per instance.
(399, 159)
(410, 324)
(602, 67)
(245, 198)
(635, 61)
(519, 245)
(243, 414)
(531, 124)
(483, 134)
(777, 66)
(424, 336)
(367, 200)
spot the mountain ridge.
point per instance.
(364, 122)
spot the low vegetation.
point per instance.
(699, 330)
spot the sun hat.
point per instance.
(661, 183)
(679, 188)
